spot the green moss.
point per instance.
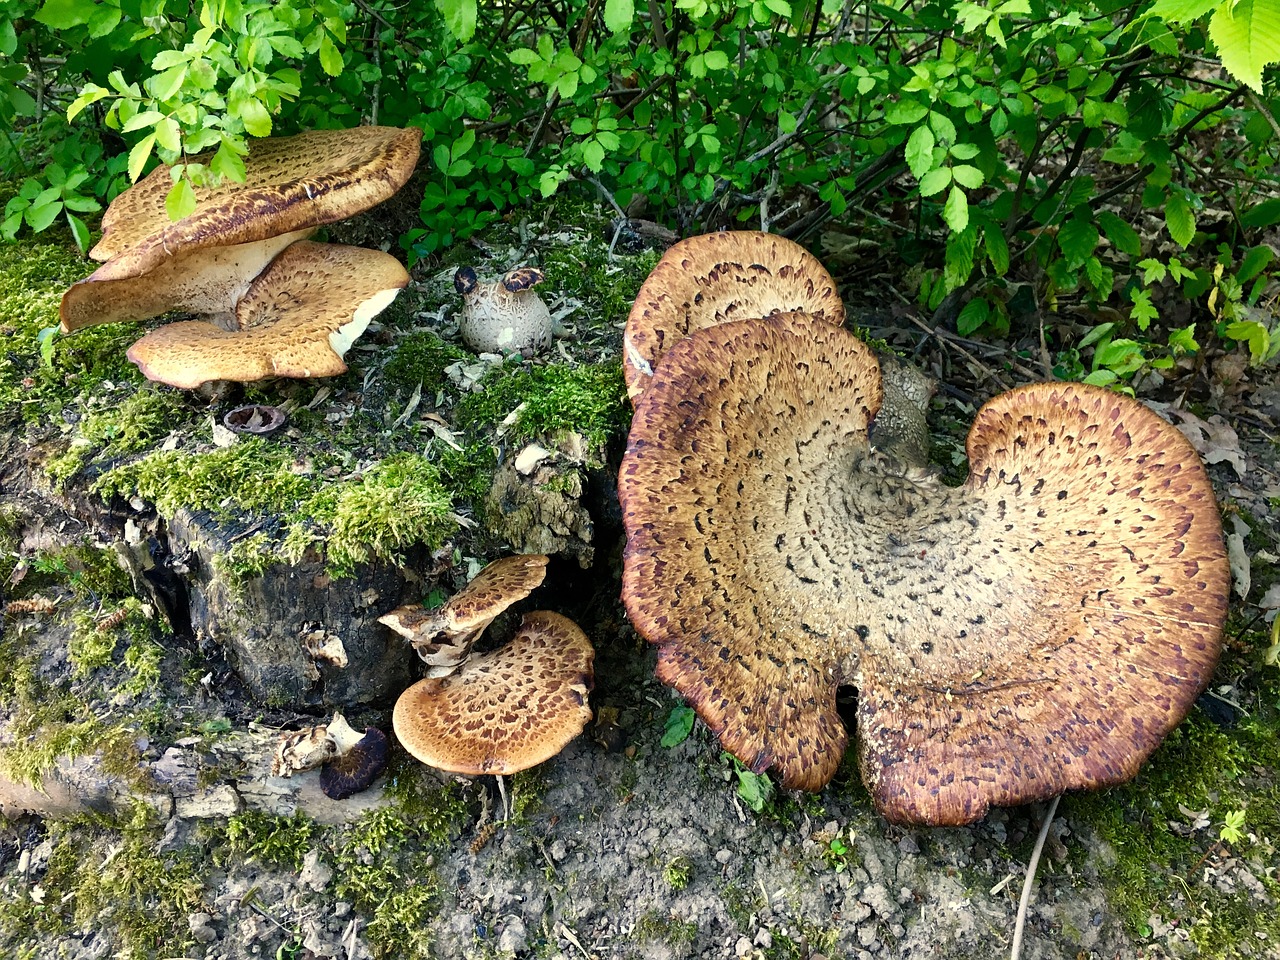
(469, 471)
(678, 872)
(280, 841)
(1157, 870)
(606, 287)
(115, 429)
(384, 865)
(419, 360)
(246, 559)
(655, 927)
(589, 400)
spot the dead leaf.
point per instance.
(1214, 439)
(1238, 557)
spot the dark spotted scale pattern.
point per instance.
(1038, 629)
(715, 277)
(507, 710)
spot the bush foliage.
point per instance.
(1120, 154)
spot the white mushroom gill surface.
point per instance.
(1037, 629)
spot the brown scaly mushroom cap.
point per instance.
(1039, 628)
(708, 279)
(506, 315)
(298, 319)
(504, 711)
(443, 637)
(204, 262)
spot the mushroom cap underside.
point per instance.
(506, 710)
(715, 277)
(1038, 629)
(291, 183)
(503, 582)
(298, 319)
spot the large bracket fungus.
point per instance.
(206, 263)
(708, 279)
(1039, 628)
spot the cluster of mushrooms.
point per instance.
(269, 302)
(1037, 629)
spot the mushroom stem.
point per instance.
(1030, 880)
(344, 736)
(502, 792)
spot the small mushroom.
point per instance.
(298, 319)
(503, 316)
(503, 711)
(708, 279)
(360, 757)
(1040, 628)
(256, 419)
(349, 760)
(443, 637)
(205, 262)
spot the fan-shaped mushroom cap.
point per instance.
(297, 320)
(1038, 629)
(503, 711)
(292, 185)
(708, 279)
(443, 637)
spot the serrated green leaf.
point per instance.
(1077, 239)
(956, 210)
(459, 17)
(254, 116)
(330, 57)
(1254, 262)
(1247, 35)
(1100, 378)
(967, 176)
(1096, 334)
(1122, 236)
(147, 118)
(935, 181)
(973, 316)
(40, 216)
(619, 14)
(781, 7)
(965, 151)
(139, 155)
(1180, 11)
(64, 14)
(1179, 218)
(1182, 339)
(180, 201)
(904, 112)
(919, 151)
(593, 155)
(1264, 214)
(997, 249)
(523, 56)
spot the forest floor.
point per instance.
(620, 846)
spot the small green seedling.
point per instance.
(679, 726)
(754, 789)
(1233, 827)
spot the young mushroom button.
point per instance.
(503, 711)
(1039, 628)
(503, 316)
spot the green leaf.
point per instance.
(919, 151)
(1100, 378)
(1182, 340)
(1247, 35)
(956, 210)
(715, 60)
(459, 17)
(618, 15)
(65, 14)
(781, 7)
(79, 232)
(593, 155)
(935, 181)
(139, 155)
(967, 176)
(1122, 236)
(180, 200)
(1179, 218)
(40, 217)
(330, 57)
(1153, 271)
(1264, 214)
(254, 116)
(1254, 262)
(523, 56)
(905, 112)
(1077, 239)
(973, 316)
(1096, 334)
(1180, 11)
(997, 249)
(679, 726)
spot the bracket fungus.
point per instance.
(506, 315)
(297, 319)
(1037, 629)
(443, 637)
(204, 262)
(708, 279)
(349, 761)
(506, 710)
